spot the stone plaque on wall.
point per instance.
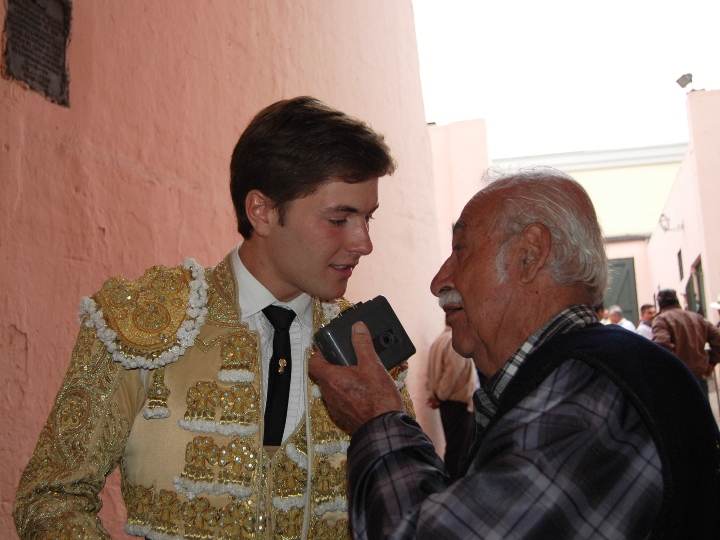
(36, 38)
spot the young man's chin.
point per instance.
(331, 293)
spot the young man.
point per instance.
(195, 379)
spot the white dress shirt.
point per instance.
(645, 330)
(253, 297)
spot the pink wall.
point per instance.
(459, 158)
(693, 203)
(135, 172)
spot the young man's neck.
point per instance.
(255, 262)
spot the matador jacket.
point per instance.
(165, 380)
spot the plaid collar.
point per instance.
(487, 397)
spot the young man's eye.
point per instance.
(337, 222)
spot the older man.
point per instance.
(574, 439)
(615, 314)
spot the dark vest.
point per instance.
(669, 400)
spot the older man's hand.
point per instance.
(356, 394)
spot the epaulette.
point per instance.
(149, 322)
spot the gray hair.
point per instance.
(550, 197)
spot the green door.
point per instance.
(622, 290)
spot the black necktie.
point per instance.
(280, 370)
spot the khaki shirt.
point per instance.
(450, 377)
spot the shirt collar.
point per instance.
(253, 297)
(486, 398)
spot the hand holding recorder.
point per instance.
(360, 387)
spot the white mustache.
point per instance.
(449, 297)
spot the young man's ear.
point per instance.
(260, 211)
(536, 243)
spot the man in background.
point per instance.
(451, 382)
(615, 315)
(647, 314)
(685, 334)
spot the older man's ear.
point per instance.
(535, 243)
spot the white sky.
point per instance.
(553, 76)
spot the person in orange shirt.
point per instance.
(451, 382)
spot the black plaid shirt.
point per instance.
(571, 460)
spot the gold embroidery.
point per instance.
(202, 400)
(228, 465)
(138, 503)
(65, 529)
(167, 513)
(200, 455)
(404, 394)
(288, 525)
(66, 445)
(240, 351)
(237, 521)
(325, 529)
(288, 478)
(240, 405)
(222, 303)
(331, 481)
(158, 393)
(200, 518)
(146, 313)
(238, 462)
(324, 429)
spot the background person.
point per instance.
(615, 316)
(451, 383)
(647, 314)
(685, 334)
(574, 439)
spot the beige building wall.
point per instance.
(135, 171)
(628, 199)
(628, 187)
